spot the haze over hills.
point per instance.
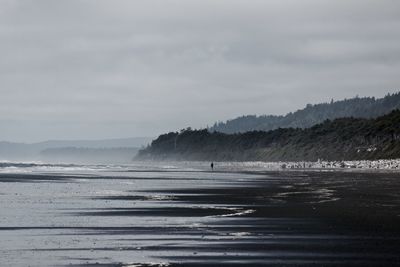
(103, 143)
(79, 155)
(307, 134)
(365, 107)
(340, 139)
(108, 150)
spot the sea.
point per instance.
(185, 214)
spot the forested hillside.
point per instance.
(340, 139)
(366, 107)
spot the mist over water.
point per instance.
(184, 214)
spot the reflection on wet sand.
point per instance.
(232, 219)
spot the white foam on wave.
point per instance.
(29, 167)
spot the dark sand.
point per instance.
(214, 219)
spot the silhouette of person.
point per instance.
(212, 166)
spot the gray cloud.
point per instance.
(98, 69)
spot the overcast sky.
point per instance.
(100, 69)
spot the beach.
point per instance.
(183, 214)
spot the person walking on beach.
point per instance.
(212, 166)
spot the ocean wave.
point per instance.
(16, 167)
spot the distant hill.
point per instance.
(88, 155)
(340, 139)
(28, 152)
(104, 143)
(366, 107)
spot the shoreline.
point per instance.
(370, 166)
(383, 165)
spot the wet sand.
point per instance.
(197, 218)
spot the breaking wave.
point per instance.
(7, 166)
